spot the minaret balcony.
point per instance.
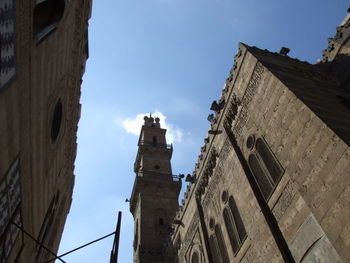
(156, 145)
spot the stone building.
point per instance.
(154, 199)
(272, 182)
(44, 47)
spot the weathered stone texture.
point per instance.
(292, 108)
(47, 70)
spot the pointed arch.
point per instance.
(234, 225)
(221, 244)
(265, 167)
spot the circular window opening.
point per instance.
(211, 223)
(224, 196)
(56, 121)
(157, 167)
(250, 142)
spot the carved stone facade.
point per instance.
(272, 181)
(44, 48)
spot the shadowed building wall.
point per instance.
(44, 47)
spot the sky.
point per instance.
(169, 58)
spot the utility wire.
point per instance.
(38, 242)
(64, 254)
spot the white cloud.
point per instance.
(133, 126)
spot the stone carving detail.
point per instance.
(225, 150)
(284, 200)
(230, 78)
(340, 37)
(232, 111)
(247, 98)
(207, 173)
(212, 192)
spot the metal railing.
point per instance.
(161, 176)
(156, 144)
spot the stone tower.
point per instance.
(154, 199)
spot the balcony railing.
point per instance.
(160, 176)
(156, 144)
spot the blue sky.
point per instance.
(171, 57)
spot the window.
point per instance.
(154, 141)
(160, 215)
(217, 246)
(221, 244)
(161, 222)
(265, 185)
(214, 249)
(275, 170)
(10, 203)
(7, 43)
(47, 14)
(195, 257)
(234, 225)
(266, 169)
(56, 121)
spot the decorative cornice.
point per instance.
(207, 173)
(335, 43)
(250, 91)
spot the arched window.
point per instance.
(217, 246)
(56, 120)
(237, 218)
(265, 185)
(221, 244)
(214, 249)
(47, 13)
(195, 257)
(154, 141)
(266, 169)
(270, 162)
(234, 225)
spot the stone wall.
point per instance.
(40, 111)
(311, 199)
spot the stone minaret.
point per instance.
(154, 198)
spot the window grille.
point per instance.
(7, 43)
(10, 205)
